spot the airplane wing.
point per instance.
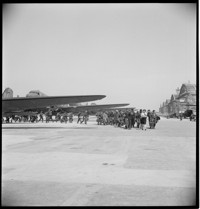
(23, 103)
(121, 109)
(190, 105)
(92, 107)
(8, 114)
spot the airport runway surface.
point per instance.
(58, 164)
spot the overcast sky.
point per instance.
(132, 53)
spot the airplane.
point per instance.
(37, 99)
(71, 106)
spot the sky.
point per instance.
(132, 53)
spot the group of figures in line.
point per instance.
(47, 117)
(34, 118)
(128, 118)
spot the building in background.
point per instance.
(183, 100)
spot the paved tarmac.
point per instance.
(54, 164)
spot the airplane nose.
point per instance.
(96, 97)
(102, 96)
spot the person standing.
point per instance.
(129, 120)
(157, 118)
(70, 117)
(98, 115)
(115, 118)
(132, 118)
(148, 116)
(46, 116)
(152, 120)
(143, 120)
(181, 116)
(50, 114)
(105, 118)
(138, 118)
(126, 118)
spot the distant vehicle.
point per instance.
(190, 113)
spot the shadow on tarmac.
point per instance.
(49, 127)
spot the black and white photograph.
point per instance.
(99, 104)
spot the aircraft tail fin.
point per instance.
(8, 93)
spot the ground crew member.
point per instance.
(79, 117)
(40, 116)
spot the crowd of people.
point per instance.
(128, 118)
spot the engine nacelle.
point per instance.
(8, 93)
(35, 93)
